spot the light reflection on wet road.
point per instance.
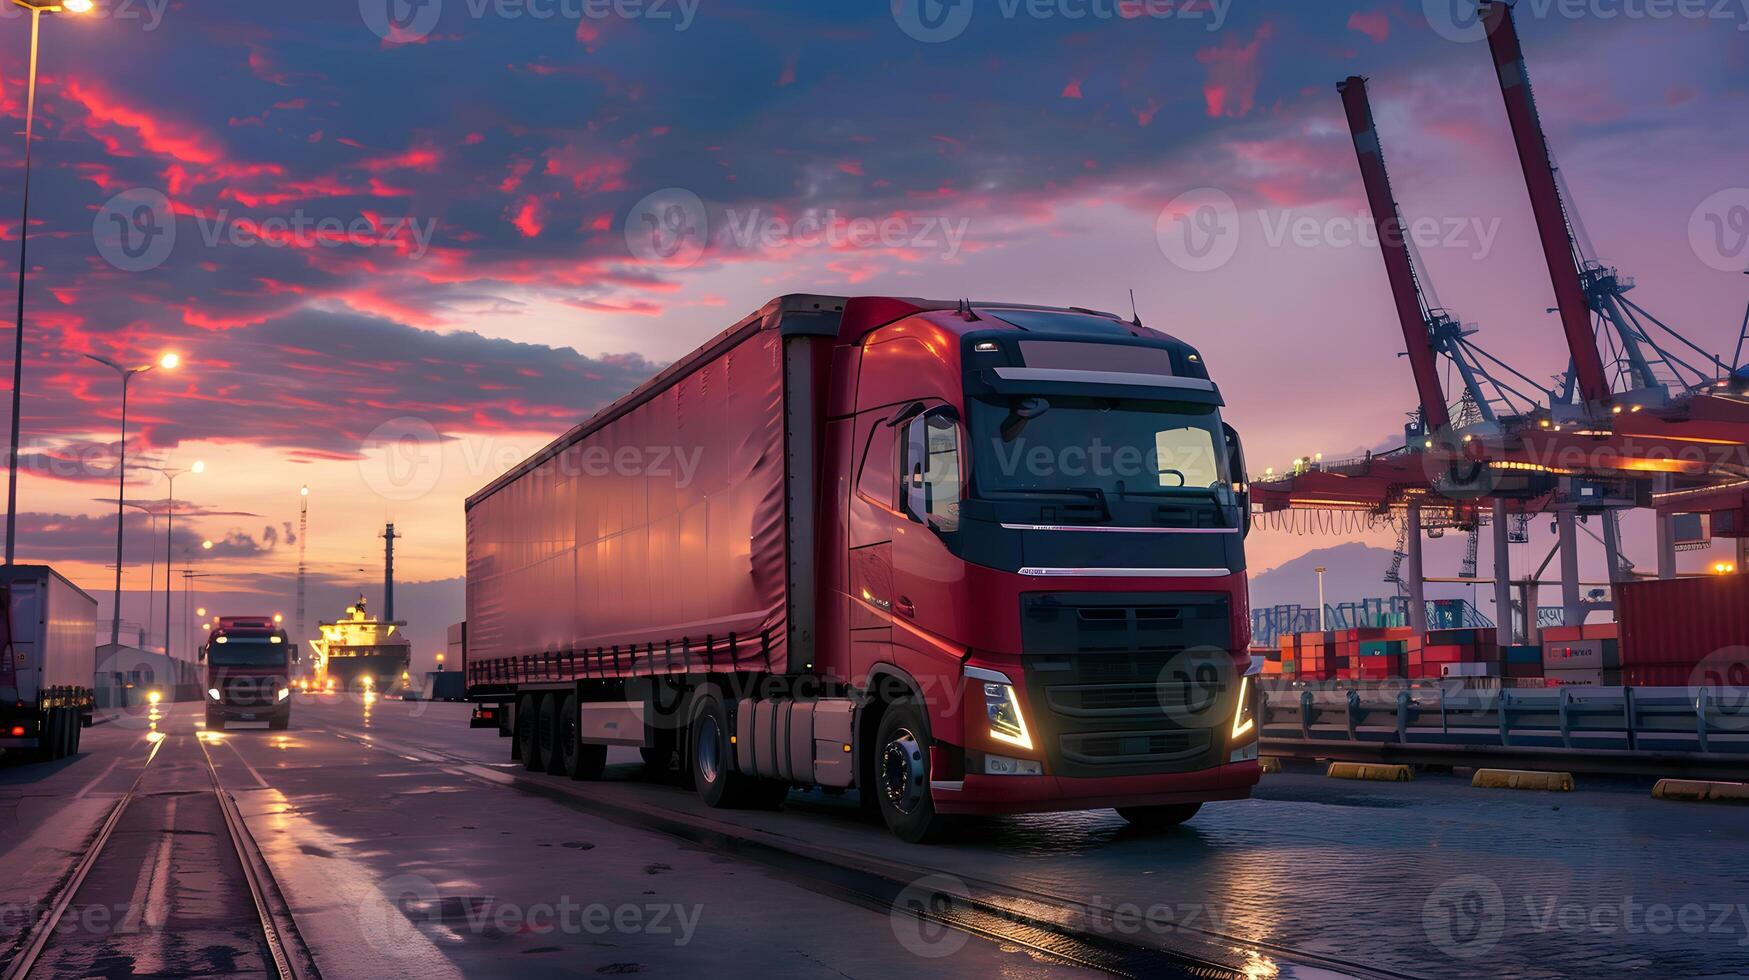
(397, 862)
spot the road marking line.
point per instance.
(259, 782)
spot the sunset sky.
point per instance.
(399, 264)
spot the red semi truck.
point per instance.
(249, 661)
(965, 558)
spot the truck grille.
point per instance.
(1134, 748)
(244, 691)
(1129, 684)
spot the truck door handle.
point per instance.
(905, 607)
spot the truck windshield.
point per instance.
(246, 651)
(1115, 446)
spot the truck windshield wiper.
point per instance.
(1095, 494)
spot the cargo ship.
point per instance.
(360, 652)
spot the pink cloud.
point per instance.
(1373, 24)
(1233, 74)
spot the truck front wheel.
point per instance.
(215, 722)
(714, 775)
(1158, 817)
(901, 775)
(280, 723)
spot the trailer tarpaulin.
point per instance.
(649, 540)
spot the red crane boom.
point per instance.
(1394, 246)
(1545, 199)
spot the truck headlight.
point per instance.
(1244, 719)
(284, 692)
(1007, 721)
(213, 692)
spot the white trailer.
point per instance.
(48, 658)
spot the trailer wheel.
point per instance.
(526, 708)
(78, 727)
(901, 775)
(1158, 817)
(714, 775)
(546, 734)
(572, 757)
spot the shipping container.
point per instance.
(1683, 621)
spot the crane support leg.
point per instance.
(1502, 575)
(1666, 532)
(1567, 527)
(1417, 572)
(1527, 601)
(1612, 547)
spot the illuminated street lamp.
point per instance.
(37, 9)
(168, 362)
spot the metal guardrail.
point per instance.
(1622, 729)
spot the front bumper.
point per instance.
(982, 794)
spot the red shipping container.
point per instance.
(1448, 655)
(1562, 634)
(1663, 675)
(1599, 631)
(1683, 621)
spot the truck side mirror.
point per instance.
(1241, 480)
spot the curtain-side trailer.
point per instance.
(48, 660)
(963, 558)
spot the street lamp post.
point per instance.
(37, 9)
(151, 570)
(1322, 625)
(170, 473)
(168, 362)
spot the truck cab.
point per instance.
(249, 664)
(1043, 517)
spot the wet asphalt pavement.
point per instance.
(404, 847)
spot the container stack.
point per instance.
(1461, 653)
(1671, 629)
(1582, 656)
